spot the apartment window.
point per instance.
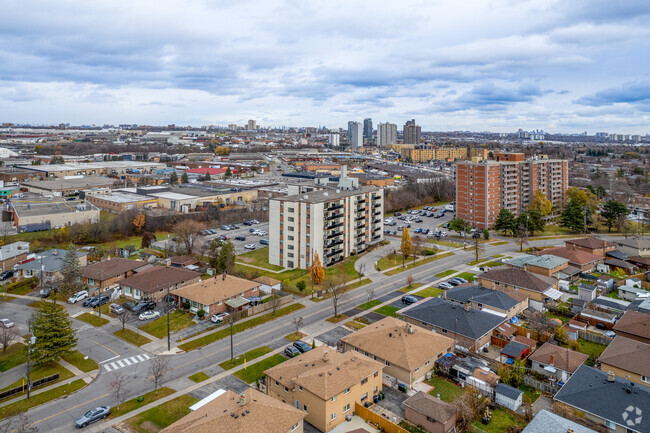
(645, 379)
(290, 228)
(428, 362)
(290, 255)
(347, 391)
(346, 408)
(300, 388)
(333, 417)
(365, 396)
(286, 389)
(290, 247)
(304, 408)
(334, 398)
(444, 331)
(387, 363)
(364, 380)
(291, 210)
(376, 374)
(291, 219)
(290, 237)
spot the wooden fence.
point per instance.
(268, 306)
(377, 420)
(595, 338)
(542, 386)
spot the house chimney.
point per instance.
(444, 294)
(325, 357)
(552, 360)
(466, 306)
(242, 399)
(610, 376)
(223, 276)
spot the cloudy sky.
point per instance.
(499, 65)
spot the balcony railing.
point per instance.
(333, 226)
(334, 207)
(363, 200)
(334, 235)
(333, 253)
(334, 216)
(334, 243)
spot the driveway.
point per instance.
(393, 401)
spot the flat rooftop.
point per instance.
(40, 206)
(325, 195)
(103, 165)
(60, 184)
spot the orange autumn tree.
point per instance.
(138, 222)
(317, 272)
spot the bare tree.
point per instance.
(188, 232)
(538, 323)
(18, 423)
(274, 301)
(118, 385)
(158, 367)
(434, 249)
(7, 337)
(361, 268)
(124, 316)
(337, 289)
(297, 323)
(478, 247)
(409, 281)
(522, 235)
(417, 242)
(371, 293)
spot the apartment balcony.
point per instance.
(334, 243)
(375, 237)
(376, 228)
(334, 207)
(361, 201)
(361, 224)
(334, 216)
(333, 253)
(376, 205)
(360, 217)
(334, 235)
(334, 225)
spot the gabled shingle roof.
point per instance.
(482, 295)
(213, 290)
(514, 349)
(431, 407)
(589, 390)
(453, 317)
(508, 391)
(634, 323)
(158, 277)
(563, 358)
(574, 256)
(591, 242)
(548, 422)
(111, 268)
(627, 354)
(519, 278)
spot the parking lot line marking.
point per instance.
(120, 363)
(107, 368)
(110, 359)
(126, 361)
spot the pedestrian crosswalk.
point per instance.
(125, 362)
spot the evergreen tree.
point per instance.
(573, 216)
(228, 173)
(173, 178)
(71, 271)
(505, 222)
(535, 222)
(612, 211)
(55, 336)
(185, 178)
(458, 225)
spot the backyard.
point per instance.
(448, 390)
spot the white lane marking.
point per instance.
(120, 363)
(107, 368)
(126, 361)
(110, 359)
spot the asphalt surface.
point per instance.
(101, 345)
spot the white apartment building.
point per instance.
(386, 134)
(332, 222)
(355, 134)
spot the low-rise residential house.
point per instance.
(634, 325)
(630, 293)
(582, 260)
(470, 328)
(507, 396)
(218, 294)
(591, 245)
(408, 352)
(548, 422)
(250, 411)
(183, 261)
(486, 299)
(577, 305)
(155, 282)
(556, 362)
(633, 282)
(483, 381)
(12, 254)
(325, 384)
(101, 275)
(587, 292)
(512, 351)
(537, 287)
(606, 282)
(268, 285)
(547, 265)
(628, 359)
(596, 317)
(610, 305)
(433, 414)
(605, 399)
(634, 246)
(47, 265)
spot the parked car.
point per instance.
(255, 221)
(92, 415)
(301, 346)
(6, 274)
(149, 315)
(454, 282)
(445, 286)
(264, 241)
(104, 299)
(610, 334)
(6, 323)
(82, 294)
(225, 227)
(408, 299)
(89, 301)
(261, 233)
(117, 309)
(218, 318)
(418, 230)
(397, 214)
(445, 226)
(224, 237)
(129, 305)
(425, 231)
(144, 306)
(240, 238)
(234, 226)
(251, 230)
(250, 246)
(248, 223)
(460, 280)
(291, 351)
(601, 326)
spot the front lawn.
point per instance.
(133, 404)
(448, 390)
(420, 263)
(446, 273)
(336, 319)
(390, 261)
(387, 310)
(157, 418)
(15, 355)
(93, 319)
(239, 327)
(469, 276)
(20, 287)
(294, 336)
(258, 257)
(38, 399)
(501, 420)
(41, 371)
(177, 320)
(132, 337)
(445, 243)
(355, 325)
(429, 292)
(248, 356)
(199, 377)
(368, 305)
(410, 288)
(255, 372)
(76, 358)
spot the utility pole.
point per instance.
(586, 208)
(99, 306)
(32, 340)
(232, 322)
(169, 341)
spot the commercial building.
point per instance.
(484, 188)
(72, 185)
(386, 134)
(34, 209)
(331, 222)
(478, 152)
(355, 134)
(412, 132)
(326, 384)
(93, 168)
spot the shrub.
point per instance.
(186, 305)
(200, 313)
(300, 285)
(428, 252)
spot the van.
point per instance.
(82, 294)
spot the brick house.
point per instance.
(108, 272)
(153, 283)
(591, 245)
(435, 415)
(217, 295)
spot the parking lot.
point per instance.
(244, 231)
(430, 223)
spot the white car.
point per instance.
(261, 233)
(250, 246)
(6, 323)
(149, 315)
(82, 294)
(218, 318)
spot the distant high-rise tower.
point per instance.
(386, 134)
(411, 132)
(367, 130)
(252, 125)
(335, 140)
(355, 134)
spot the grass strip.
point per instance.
(15, 355)
(157, 418)
(76, 358)
(294, 336)
(38, 399)
(429, 292)
(355, 325)
(387, 310)
(446, 273)
(248, 356)
(178, 320)
(336, 319)
(255, 372)
(132, 337)
(41, 371)
(199, 377)
(239, 327)
(133, 404)
(420, 263)
(93, 319)
(469, 276)
(368, 305)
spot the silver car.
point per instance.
(100, 412)
(6, 323)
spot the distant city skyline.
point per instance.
(564, 67)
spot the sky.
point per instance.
(485, 65)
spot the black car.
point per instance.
(301, 346)
(128, 305)
(88, 302)
(144, 306)
(103, 300)
(445, 225)
(252, 230)
(234, 226)
(240, 238)
(248, 223)
(6, 274)
(408, 299)
(397, 214)
(291, 351)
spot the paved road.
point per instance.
(58, 416)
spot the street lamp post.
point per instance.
(169, 341)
